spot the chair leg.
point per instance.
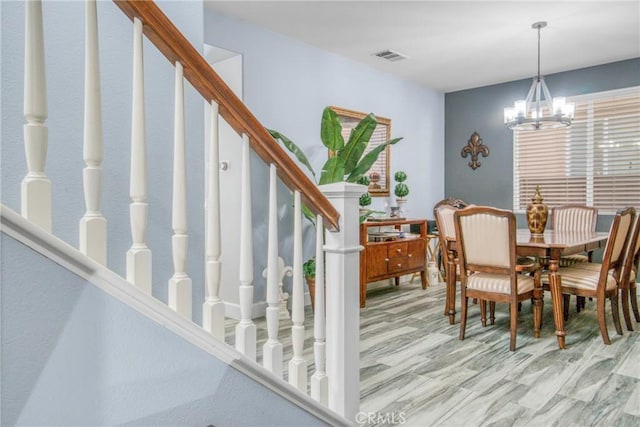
(483, 312)
(565, 306)
(602, 322)
(463, 315)
(492, 312)
(626, 312)
(634, 300)
(616, 313)
(513, 308)
(580, 303)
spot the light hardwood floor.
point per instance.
(415, 369)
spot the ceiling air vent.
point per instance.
(390, 55)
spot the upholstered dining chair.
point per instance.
(629, 275)
(489, 269)
(443, 212)
(575, 218)
(603, 280)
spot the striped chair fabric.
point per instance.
(498, 283)
(574, 218)
(584, 277)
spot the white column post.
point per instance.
(180, 283)
(342, 251)
(93, 225)
(139, 256)
(246, 329)
(213, 307)
(297, 364)
(36, 186)
(272, 349)
(319, 380)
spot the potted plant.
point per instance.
(348, 162)
(309, 272)
(401, 190)
(365, 199)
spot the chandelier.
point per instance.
(535, 113)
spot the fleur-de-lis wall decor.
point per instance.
(475, 147)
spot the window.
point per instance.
(594, 162)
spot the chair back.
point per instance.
(632, 254)
(487, 239)
(444, 220)
(443, 213)
(619, 235)
(574, 218)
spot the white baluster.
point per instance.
(93, 225)
(297, 365)
(180, 283)
(319, 380)
(213, 307)
(36, 186)
(272, 349)
(246, 329)
(139, 256)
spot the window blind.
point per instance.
(594, 162)
(379, 136)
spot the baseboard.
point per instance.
(232, 310)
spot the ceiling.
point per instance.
(456, 45)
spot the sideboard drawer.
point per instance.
(398, 264)
(399, 249)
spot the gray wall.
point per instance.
(481, 110)
(64, 44)
(73, 355)
(287, 83)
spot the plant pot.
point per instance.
(402, 207)
(311, 283)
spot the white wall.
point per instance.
(73, 355)
(287, 84)
(64, 44)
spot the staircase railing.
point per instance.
(337, 382)
(173, 45)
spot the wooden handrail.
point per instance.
(175, 47)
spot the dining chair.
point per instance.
(575, 218)
(489, 269)
(629, 275)
(443, 212)
(602, 280)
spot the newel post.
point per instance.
(342, 249)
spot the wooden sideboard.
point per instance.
(392, 256)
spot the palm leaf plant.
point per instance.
(348, 161)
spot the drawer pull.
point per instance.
(410, 255)
(399, 265)
(386, 260)
(399, 250)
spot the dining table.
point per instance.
(547, 247)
